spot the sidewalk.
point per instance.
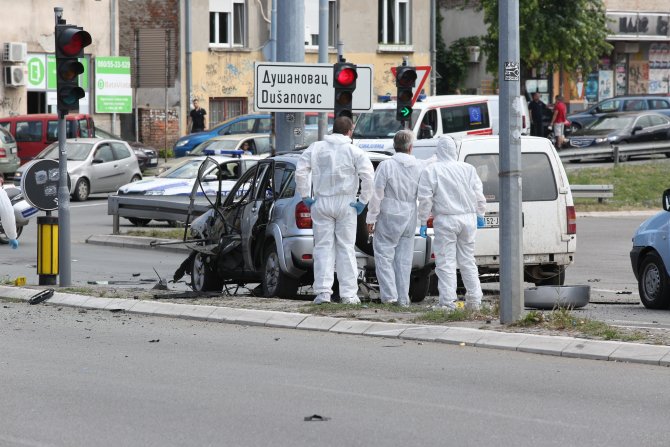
(529, 343)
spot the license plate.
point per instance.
(491, 221)
(13, 150)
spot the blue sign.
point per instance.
(475, 113)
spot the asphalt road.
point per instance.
(74, 378)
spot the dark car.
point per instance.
(640, 103)
(147, 156)
(617, 128)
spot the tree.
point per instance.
(565, 34)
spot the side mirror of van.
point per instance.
(425, 132)
(97, 161)
(666, 200)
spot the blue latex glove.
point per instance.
(359, 206)
(308, 201)
(481, 222)
(423, 231)
(14, 244)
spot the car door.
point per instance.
(660, 127)
(103, 169)
(256, 211)
(644, 132)
(126, 164)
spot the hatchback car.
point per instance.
(147, 156)
(640, 103)
(650, 258)
(9, 157)
(94, 165)
(259, 123)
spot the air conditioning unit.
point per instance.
(15, 75)
(15, 52)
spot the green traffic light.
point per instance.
(405, 111)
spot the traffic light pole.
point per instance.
(64, 258)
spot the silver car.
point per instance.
(94, 165)
(9, 157)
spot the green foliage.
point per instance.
(454, 67)
(560, 33)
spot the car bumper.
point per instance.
(634, 260)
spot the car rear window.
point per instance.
(464, 118)
(6, 137)
(539, 183)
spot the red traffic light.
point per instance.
(346, 77)
(71, 41)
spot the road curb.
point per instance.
(480, 338)
(140, 242)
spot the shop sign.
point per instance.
(638, 26)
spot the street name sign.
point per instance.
(298, 87)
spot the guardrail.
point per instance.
(618, 152)
(171, 208)
(600, 192)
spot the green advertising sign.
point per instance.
(113, 92)
(51, 73)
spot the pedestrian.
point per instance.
(558, 120)
(197, 117)
(537, 110)
(452, 190)
(7, 218)
(336, 167)
(392, 219)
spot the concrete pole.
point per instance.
(323, 57)
(290, 127)
(112, 48)
(433, 47)
(511, 236)
(189, 64)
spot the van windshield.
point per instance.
(380, 123)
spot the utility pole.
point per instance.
(290, 126)
(511, 236)
(323, 58)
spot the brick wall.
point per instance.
(152, 127)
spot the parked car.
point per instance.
(35, 132)
(618, 128)
(637, 103)
(258, 123)
(94, 165)
(262, 232)
(147, 156)
(650, 258)
(229, 145)
(9, 157)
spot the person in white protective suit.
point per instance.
(392, 219)
(454, 193)
(336, 166)
(7, 218)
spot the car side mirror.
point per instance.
(425, 132)
(97, 161)
(637, 129)
(210, 178)
(594, 110)
(666, 200)
(187, 153)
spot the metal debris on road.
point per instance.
(316, 418)
(42, 296)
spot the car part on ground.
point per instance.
(553, 297)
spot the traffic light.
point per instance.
(405, 79)
(70, 43)
(344, 81)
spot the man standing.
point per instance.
(7, 218)
(537, 109)
(197, 117)
(336, 166)
(454, 193)
(392, 218)
(558, 121)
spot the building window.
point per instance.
(221, 109)
(394, 22)
(227, 23)
(312, 23)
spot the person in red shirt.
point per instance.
(558, 121)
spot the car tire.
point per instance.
(275, 282)
(3, 237)
(203, 277)
(418, 287)
(574, 127)
(653, 283)
(139, 222)
(136, 178)
(81, 190)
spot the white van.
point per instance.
(456, 115)
(494, 110)
(548, 212)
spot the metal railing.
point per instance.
(618, 152)
(600, 192)
(168, 208)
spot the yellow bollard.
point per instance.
(47, 250)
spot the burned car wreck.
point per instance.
(261, 232)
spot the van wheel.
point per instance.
(275, 282)
(81, 190)
(418, 287)
(653, 284)
(203, 277)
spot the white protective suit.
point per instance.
(393, 211)
(454, 193)
(7, 215)
(336, 166)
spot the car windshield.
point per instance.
(186, 170)
(75, 151)
(380, 123)
(215, 144)
(611, 123)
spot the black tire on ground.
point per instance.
(275, 282)
(558, 278)
(3, 237)
(418, 286)
(653, 283)
(81, 190)
(138, 222)
(203, 277)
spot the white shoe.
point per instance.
(446, 307)
(473, 306)
(321, 298)
(402, 303)
(352, 300)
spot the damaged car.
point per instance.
(261, 232)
